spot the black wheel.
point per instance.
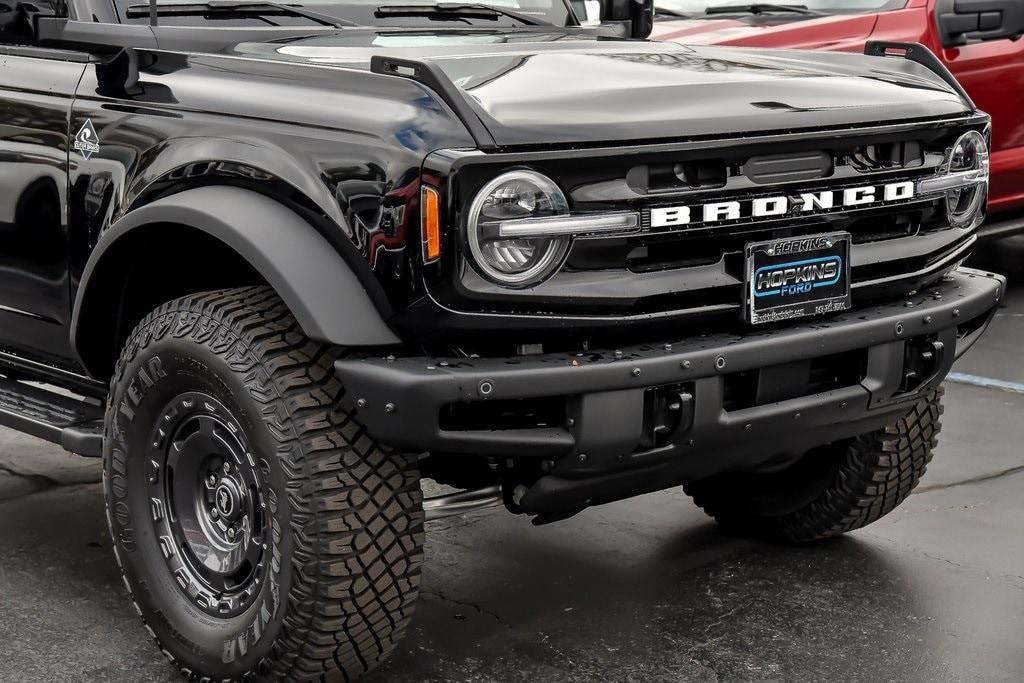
(260, 532)
(829, 490)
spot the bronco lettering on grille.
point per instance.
(779, 206)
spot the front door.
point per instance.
(36, 91)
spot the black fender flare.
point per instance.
(311, 277)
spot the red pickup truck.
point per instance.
(977, 40)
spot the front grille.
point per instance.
(696, 268)
(774, 169)
(680, 249)
(741, 170)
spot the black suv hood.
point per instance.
(531, 88)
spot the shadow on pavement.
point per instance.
(644, 590)
(1004, 256)
(603, 598)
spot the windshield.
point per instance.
(407, 13)
(698, 8)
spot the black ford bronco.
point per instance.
(275, 262)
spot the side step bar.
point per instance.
(74, 422)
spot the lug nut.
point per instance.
(213, 512)
(231, 532)
(212, 480)
(227, 468)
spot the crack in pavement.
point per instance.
(482, 610)
(721, 619)
(1013, 580)
(973, 480)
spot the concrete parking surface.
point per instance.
(643, 590)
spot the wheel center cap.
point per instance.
(227, 498)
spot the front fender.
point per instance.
(321, 290)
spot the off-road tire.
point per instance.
(344, 514)
(831, 490)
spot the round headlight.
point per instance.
(965, 205)
(513, 196)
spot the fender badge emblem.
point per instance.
(87, 142)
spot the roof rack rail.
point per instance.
(433, 77)
(916, 52)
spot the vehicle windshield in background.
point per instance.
(414, 13)
(701, 9)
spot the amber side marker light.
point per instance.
(430, 221)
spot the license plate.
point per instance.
(796, 277)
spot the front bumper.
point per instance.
(649, 416)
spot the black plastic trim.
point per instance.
(85, 440)
(71, 421)
(400, 398)
(11, 364)
(916, 52)
(325, 296)
(431, 76)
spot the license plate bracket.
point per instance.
(796, 277)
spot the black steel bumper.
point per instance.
(646, 417)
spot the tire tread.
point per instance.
(355, 506)
(877, 473)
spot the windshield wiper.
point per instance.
(242, 7)
(671, 12)
(457, 9)
(761, 8)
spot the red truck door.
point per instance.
(990, 66)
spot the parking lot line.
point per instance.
(986, 382)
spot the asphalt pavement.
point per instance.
(642, 590)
